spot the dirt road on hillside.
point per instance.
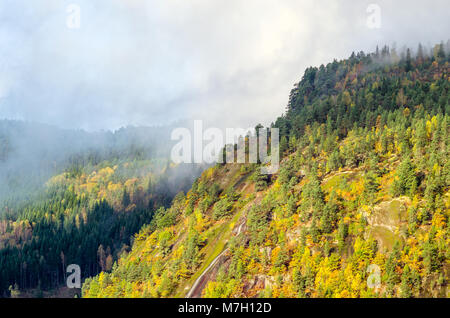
(200, 283)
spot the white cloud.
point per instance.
(146, 62)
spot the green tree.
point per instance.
(405, 181)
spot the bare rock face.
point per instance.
(385, 221)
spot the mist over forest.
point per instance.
(31, 153)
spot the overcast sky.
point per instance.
(230, 62)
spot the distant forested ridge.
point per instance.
(72, 197)
(362, 195)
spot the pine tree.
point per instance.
(405, 180)
(408, 65)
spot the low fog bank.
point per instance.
(30, 153)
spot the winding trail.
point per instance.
(198, 285)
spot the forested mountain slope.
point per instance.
(363, 189)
